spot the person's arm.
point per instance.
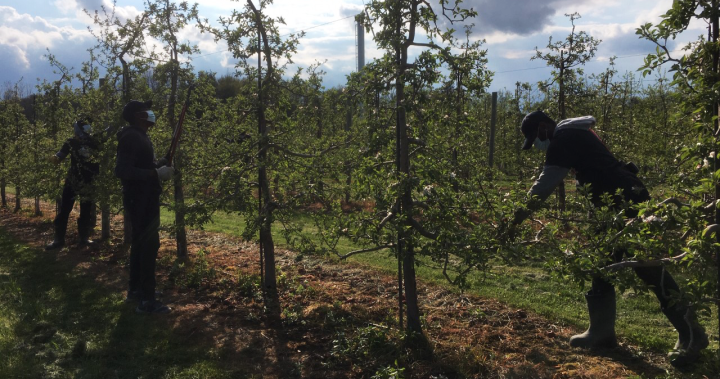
(549, 179)
(61, 154)
(126, 159)
(543, 187)
(162, 162)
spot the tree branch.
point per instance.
(652, 263)
(420, 229)
(301, 155)
(355, 252)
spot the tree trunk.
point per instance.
(179, 196)
(17, 199)
(3, 193)
(127, 224)
(493, 122)
(348, 166)
(406, 202)
(561, 109)
(520, 116)
(715, 21)
(38, 212)
(180, 231)
(267, 246)
(266, 241)
(104, 220)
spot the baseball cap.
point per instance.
(133, 107)
(529, 126)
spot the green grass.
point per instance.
(39, 292)
(58, 323)
(639, 318)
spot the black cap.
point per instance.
(133, 107)
(83, 120)
(529, 126)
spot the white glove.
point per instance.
(165, 172)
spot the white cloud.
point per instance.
(653, 12)
(496, 38)
(512, 29)
(607, 31)
(227, 60)
(517, 54)
(26, 32)
(14, 55)
(65, 6)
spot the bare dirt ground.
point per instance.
(328, 311)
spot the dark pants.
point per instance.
(657, 278)
(144, 213)
(86, 221)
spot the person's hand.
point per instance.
(54, 159)
(519, 216)
(506, 231)
(165, 172)
(162, 162)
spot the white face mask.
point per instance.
(151, 116)
(82, 130)
(541, 145)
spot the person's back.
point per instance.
(580, 149)
(135, 164)
(83, 166)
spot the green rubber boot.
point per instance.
(691, 336)
(601, 333)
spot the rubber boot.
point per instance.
(84, 239)
(691, 336)
(601, 333)
(86, 223)
(59, 239)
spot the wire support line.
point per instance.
(317, 26)
(593, 61)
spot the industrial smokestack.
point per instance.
(360, 41)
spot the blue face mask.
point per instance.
(81, 130)
(541, 145)
(151, 116)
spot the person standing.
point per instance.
(81, 148)
(140, 175)
(572, 144)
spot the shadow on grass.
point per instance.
(65, 321)
(56, 321)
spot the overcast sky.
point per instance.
(511, 28)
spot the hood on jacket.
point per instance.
(581, 123)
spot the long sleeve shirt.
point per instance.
(83, 164)
(135, 164)
(575, 146)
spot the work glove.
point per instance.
(165, 172)
(162, 162)
(54, 159)
(506, 232)
(519, 216)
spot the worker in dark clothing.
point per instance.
(141, 175)
(82, 149)
(572, 144)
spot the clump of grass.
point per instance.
(192, 273)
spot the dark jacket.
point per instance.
(593, 163)
(83, 165)
(575, 146)
(135, 165)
